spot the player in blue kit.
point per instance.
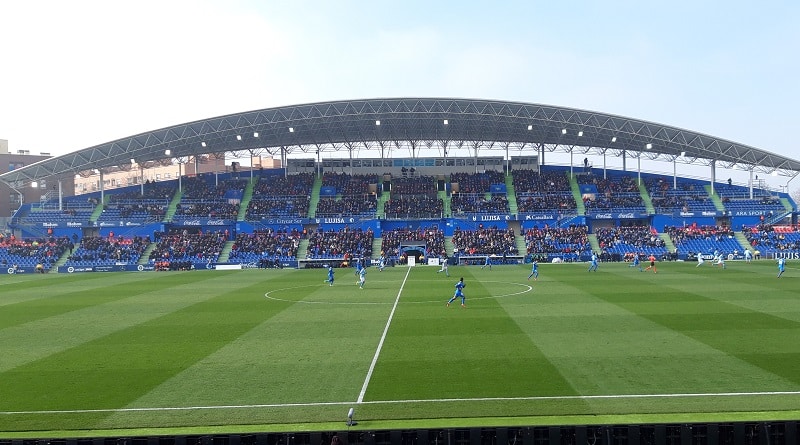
(781, 266)
(593, 264)
(459, 293)
(636, 263)
(330, 275)
(362, 277)
(534, 271)
(488, 262)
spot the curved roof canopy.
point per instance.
(417, 123)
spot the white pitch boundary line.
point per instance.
(415, 401)
(383, 338)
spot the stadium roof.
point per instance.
(414, 122)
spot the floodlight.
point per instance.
(446, 122)
(614, 139)
(377, 123)
(167, 152)
(649, 146)
(291, 129)
(133, 161)
(35, 184)
(580, 133)
(683, 154)
(238, 137)
(255, 134)
(202, 144)
(530, 127)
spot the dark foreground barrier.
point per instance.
(744, 433)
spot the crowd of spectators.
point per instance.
(30, 252)
(766, 237)
(477, 182)
(477, 203)
(336, 243)
(689, 196)
(346, 184)
(413, 206)
(628, 238)
(570, 243)
(531, 181)
(485, 241)
(266, 247)
(680, 235)
(103, 250)
(347, 206)
(433, 238)
(197, 247)
(420, 186)
(618, 192)
(281, 196)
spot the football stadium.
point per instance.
(401, 271)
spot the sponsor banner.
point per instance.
(747, 213)
(497, 188)
(204, 222)
(108, 268)
(481, 218)
(347, 220)
(286, 221)
(613, 215)
(49, 224)
(20, 269)
(693, 214)
(538, 216)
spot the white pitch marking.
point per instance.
(416, 401)
(383, 338)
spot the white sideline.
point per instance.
(380, 343)
(415, 401)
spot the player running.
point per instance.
(443, 261)
(652, 259)
(534, 271)
(748, 256)
(700, 259)
(781, 266)
(330, 276)
(362, 277)
(636, 262)
(459, 293)
(488, 262)
(593, 263)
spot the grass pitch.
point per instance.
(268, 350)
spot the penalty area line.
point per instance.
(415, 401)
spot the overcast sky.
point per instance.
(79, 73)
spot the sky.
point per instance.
(80, 73)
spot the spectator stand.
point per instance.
(568, 244)
(266, 248)
(737, 201)
(478, 193)
(622, 242)
(471, 246)
(399, 241)
(689, 197)
(337, 247)
(696, 239)
(103, 251)
(23, 255)
(617, 193)
(543, 193)
(774, 241)
(280, 197)
(348, 195)
(414, 198)
(186, 249)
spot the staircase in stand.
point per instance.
(576, 193)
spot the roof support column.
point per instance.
(102, 186)
(319, 162)
(604, 165)
(475, 146)
(751, 183)
(639, 168)
(674, 174)
(60, 196)
(141, 174)
(541, 154)
(570, 162)
(283, 162)
(624, 163)
(180, 176)
(713, 174)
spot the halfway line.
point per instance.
(380, 343)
